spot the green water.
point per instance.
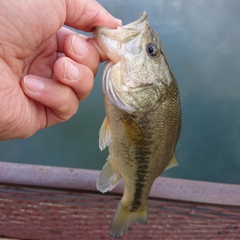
(201, 40)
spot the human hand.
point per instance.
(45, 69)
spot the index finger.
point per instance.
(87, 14)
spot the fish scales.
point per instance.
(143, 117)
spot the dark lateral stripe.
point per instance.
(142, 160)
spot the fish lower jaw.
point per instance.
(114, 56)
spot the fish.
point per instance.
(143, 117)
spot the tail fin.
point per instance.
(123, 218)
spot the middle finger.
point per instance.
(81, 51)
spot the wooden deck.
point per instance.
(39, 202)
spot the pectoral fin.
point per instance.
(108, 178)
(104, 134)
(173, 163)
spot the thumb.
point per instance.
(87, 14)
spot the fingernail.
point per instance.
(79, 46)
(119, 22)
(33, 84)
(71, 72)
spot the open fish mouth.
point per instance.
(112, 40)
(138, 24)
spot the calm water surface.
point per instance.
(201, 40)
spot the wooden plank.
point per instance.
(54, 214)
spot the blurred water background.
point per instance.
(201, 39)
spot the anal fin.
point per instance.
(108, 178)
(173, 163)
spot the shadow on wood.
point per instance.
(40, 202)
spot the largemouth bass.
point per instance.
(143, 117)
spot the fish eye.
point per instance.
(152, 50)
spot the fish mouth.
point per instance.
(138, 24)
(111, 40)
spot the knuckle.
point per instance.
(68, 105)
